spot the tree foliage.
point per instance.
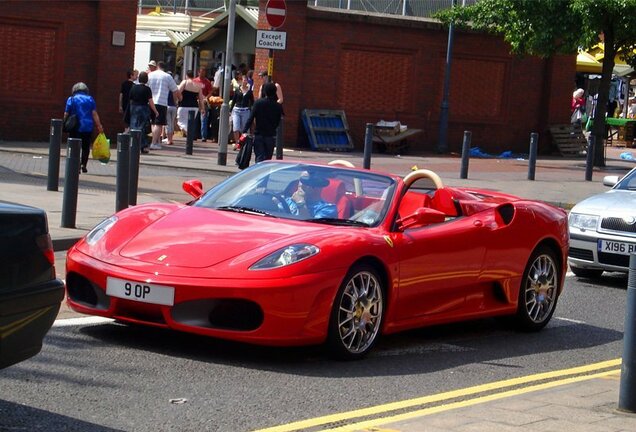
(547, 27)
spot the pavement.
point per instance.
(584, 401)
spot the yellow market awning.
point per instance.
(585, 62)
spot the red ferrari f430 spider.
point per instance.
(290, 253)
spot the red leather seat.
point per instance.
(335, 193)
(444, 201)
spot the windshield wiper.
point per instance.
(336, 221)
(246, 210)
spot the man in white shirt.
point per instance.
(216, 84)
(161, 83)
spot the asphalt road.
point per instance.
(106, 377)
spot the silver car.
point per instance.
(603, 229)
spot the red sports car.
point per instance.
(289, 253)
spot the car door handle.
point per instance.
(478, 223)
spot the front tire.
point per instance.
(357, 314)
(539, 290)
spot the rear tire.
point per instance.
(539, 290)
(586, 273)
(357, 314)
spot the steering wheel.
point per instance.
(410, 178)
(278, 200)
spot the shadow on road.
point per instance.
(430, 349)
(16, 417)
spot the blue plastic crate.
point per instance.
(327, 130)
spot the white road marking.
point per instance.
(81, 321)
(570, 320)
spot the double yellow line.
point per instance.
(497, 391)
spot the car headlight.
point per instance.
(286, 256)
(583, 221)
(102, 228)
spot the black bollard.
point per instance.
(532, 159)
(55, 144)
(463, 174)
(190, 133)
(368, 146)
(71, 183)
(135, 146)
(279, 140)
(627, 393)
(589, 160)
(123, 171)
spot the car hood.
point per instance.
(614, 202)
(197, 237)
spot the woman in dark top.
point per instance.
(192, 100)
(140, 105)
(241, 103)
(124, 95)
(267, 113)
(83, 106)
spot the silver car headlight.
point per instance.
(583, 221)
(102, 228)
(286, 256)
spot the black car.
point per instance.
(30, 293)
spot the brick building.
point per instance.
(383, 67)
(47, 46)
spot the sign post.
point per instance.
(275, 13)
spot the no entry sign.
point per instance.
(275, 12)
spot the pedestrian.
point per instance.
(141, 105)
(267, 113)
(206, 89)
(161, 84)
(82, 104)
(192, 100)
(266, 79)
(250, 79)
(217, 81)
(124, 96)
(241, 102)
(171, 119)
(577, 108)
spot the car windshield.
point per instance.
(320, 194)
(628, 182)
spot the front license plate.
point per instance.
(614, 247)
(140, 291)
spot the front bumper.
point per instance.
(280, 311)
(584, 252)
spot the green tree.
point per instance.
(547, 27)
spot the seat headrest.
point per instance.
(334, 190)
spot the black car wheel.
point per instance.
(539, 290)
(357, 314)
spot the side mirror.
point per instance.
(610, 180)
(423, 216)
(193, 187)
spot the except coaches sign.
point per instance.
(275, 12)
(275, 40)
